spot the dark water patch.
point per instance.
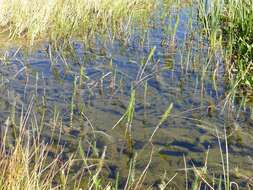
(195, 163)
(187, 145)
(138, 145)
(172, 153)
(207, 144)
(112, 111)
(74, 133)
(113, 170)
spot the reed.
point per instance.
(229, 26)
(61, 19)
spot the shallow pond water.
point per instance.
(95, 84)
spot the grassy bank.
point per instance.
(239, 31)
(229, 24)
(54, 20)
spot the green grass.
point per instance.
(240, 30)
(232, 22)
(61, 19)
